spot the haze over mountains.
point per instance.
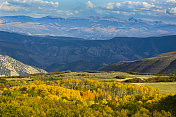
(12, 67)
(96, 28)
(161, 64)
(76, 54)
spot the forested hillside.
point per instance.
(76, 97)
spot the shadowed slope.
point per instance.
(163, 63)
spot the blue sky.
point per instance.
(164, 10)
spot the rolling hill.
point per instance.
(161, 64)
(12, 67)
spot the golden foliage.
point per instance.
(76, 97)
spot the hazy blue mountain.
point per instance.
(96, 28)
(48, 52)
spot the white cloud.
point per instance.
(90, 4)
(65, 12)
(129, 7)
(6, 6)
(173, 10)
(100, 11)
(161, 11)
(162, 31)
(110, 5)
(133, 2)
(118, 4)
(147, 5)
(1, 21)
(42, 2)
(20, 1)
(171, 1)
(128, 13)
(76, 11)
(117, 12)
(138, 8)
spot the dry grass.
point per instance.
(165, 87)
(103, 76)
(18, 79)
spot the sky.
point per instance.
(163, 10)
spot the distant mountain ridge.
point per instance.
(91, 28)
(65, 53)
(161, 64)
(12, 67)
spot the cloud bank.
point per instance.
(149, 9)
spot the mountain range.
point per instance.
(12, 67)
(54, 53)
(160, 64)
(91, 28)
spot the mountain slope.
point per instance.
(75, 66)
(162, 64)
(12, 67)
(44, 52)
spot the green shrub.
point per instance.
(121, 77)
(95, 71)
(62, 75)
(168, 104)
(83, 74)
(134, 80)
(155, 79)
(66, 71)
(136, 73)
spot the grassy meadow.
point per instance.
(165, 87)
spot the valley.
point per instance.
(84, 91)
(64, 53)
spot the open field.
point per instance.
(102, 76)
(165, 87)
